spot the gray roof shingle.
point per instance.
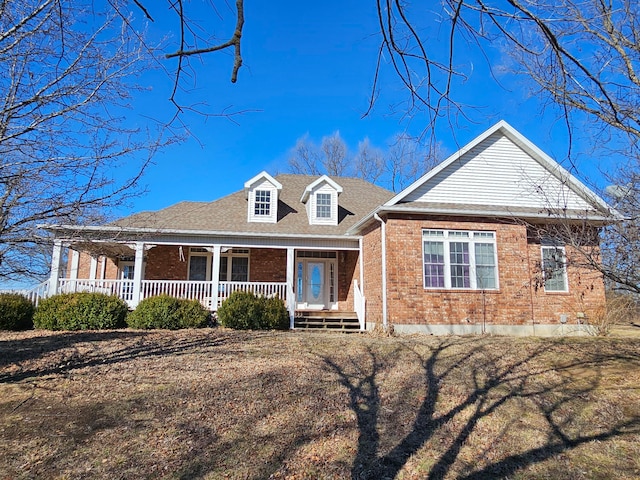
(229, 214)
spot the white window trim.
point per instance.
(330, 205)
(265, 216)
(230, 255)
(564, 268)
(208, 256)
(332, 219)
(446, 239)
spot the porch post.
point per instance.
(361, 263)
(55, 267)
(215, 276)
(137, 274)
(291, 299)
(93, 268)
(75, 262)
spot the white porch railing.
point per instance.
(34, 294)
(267, 289)
(121, 288)
(192, 290)
(359, 304)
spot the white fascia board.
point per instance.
(317, 182)
(262, 176)
(195, 233)
(479, 212)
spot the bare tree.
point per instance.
(305, 158)
(335, 155)
(400, 164)
(369, 162)
(407, 161)
(329, 158)
(68, 73)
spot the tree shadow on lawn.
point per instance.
(489, 384)
(64, 349)
(215, 427)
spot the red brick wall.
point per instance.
(84, 265)
(348, 270)
(268, 265)
(111, 270)
(372, 282)
(163, 263)
(517, 302)
(586, 289)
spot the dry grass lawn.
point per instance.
(215, 403)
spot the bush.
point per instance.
(168, 312)
(246, 311)
(16, 312)
(80, 311)
(619, 309)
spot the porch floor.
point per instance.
(326, 320)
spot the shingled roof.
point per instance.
(229, 214)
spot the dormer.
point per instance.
(321, 201)
(262, 198)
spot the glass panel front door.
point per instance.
(315, 291)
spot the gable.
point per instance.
(502, 169)
(262, 198)
(321, 201)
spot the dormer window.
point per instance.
(262, 198)
(323, 205)
(262, 203)
(321, 201)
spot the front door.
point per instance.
(315, 284)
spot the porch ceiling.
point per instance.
(109, 249)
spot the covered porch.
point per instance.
(311, 276)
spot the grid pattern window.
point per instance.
(234, 266)
(323, 205)
(262, 203)
(554, 269)
(460, 260)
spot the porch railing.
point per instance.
(359, 304)
(34, 294)
(267, 289)
(192, 290)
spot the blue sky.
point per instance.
(308, 69)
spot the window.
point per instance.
(263, 203)
(234, 266)
(323, 205)
(198, 267)
(459, 260)
(554, 269)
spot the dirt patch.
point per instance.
(214, 403)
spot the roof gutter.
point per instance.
(195, 233)
(479, 212)
(383, 242)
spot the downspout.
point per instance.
(383, 241)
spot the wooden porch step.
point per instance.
(327, 320)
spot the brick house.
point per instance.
(461, 250)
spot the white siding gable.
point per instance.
(498, 172)
(321, 201)
(262, 198)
